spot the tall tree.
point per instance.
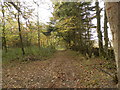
(113, 14)
(74, 24)
(17, 7)
(38, 24)
(20, 33)
(100, 41)
(106, 39)
(3, 30)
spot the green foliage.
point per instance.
(70, 28)
(74, 24)
(32, 53)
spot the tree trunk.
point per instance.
(38, 27)
(113, 13)
(30, 28)
(38, 23)
(3, 30)
(105, 34)
(99, 29)
(20, 35)
(38, 36)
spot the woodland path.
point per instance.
(63, 70)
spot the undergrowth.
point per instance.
(32, 53)
(108, 64)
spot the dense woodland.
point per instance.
(25, 39)
(69, 26)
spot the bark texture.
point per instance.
(3, 30)
(113, 14)
(20, 34)
(100, 41)
(38, 26)
(106, 34)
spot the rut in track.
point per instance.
(61, 71)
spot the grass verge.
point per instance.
(32, 54)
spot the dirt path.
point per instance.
(61, 71)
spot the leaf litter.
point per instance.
(61, 71)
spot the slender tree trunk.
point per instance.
(38, 37)
(38, 23)
(20, 35)
(100, 41)
(106, 34)
(3, 30)
(113, 14)
(29, 26)
(38, 27)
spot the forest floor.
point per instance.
(64, 69)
